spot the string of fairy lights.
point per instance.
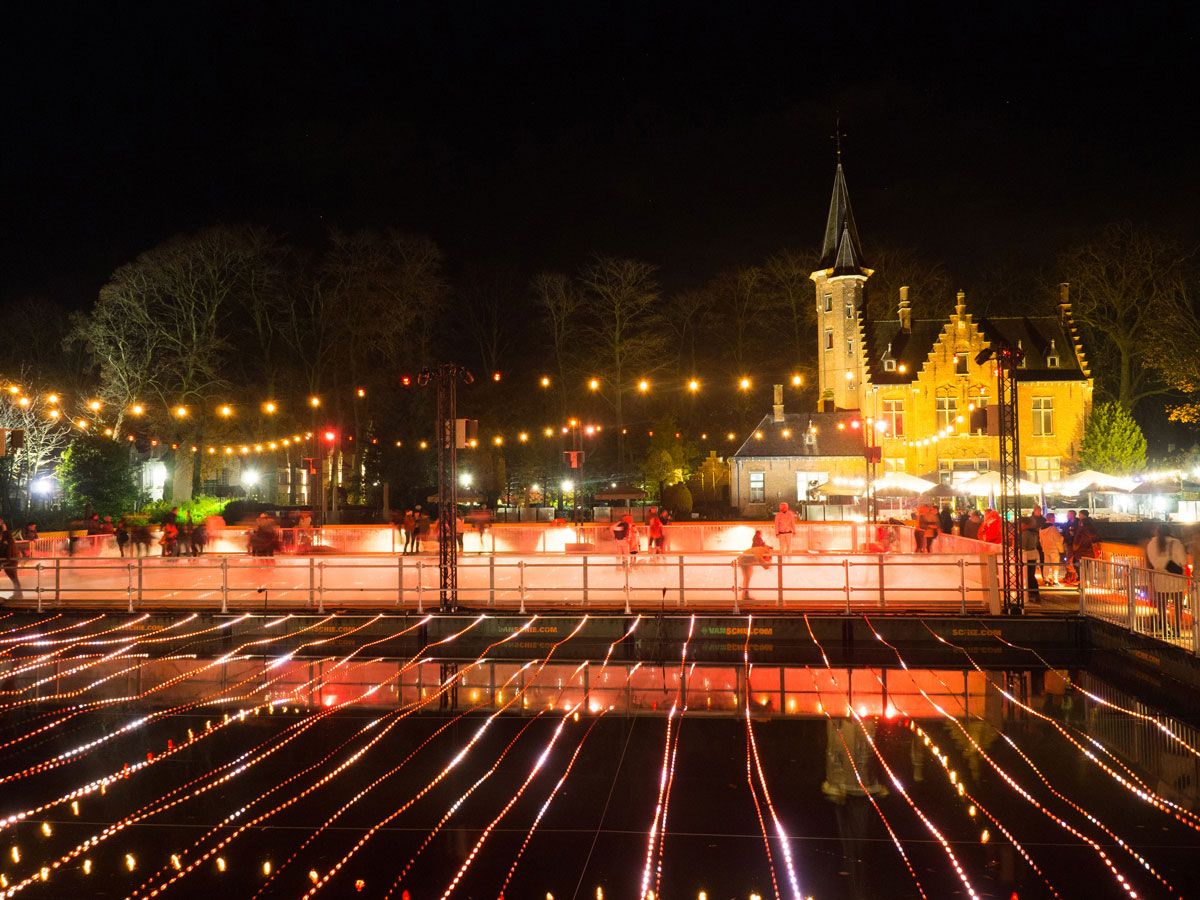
(75, 829)
(91, 419)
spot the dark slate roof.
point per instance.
(841, 250)
(1034, 333)
(829, 440)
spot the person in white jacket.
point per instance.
(1051, 541)
(785, 527)
(1166, 556)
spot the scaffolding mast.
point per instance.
(1007, 360)
(447, 376)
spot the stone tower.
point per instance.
(840, 280)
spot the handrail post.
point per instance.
(1131, 598)
(1193, 582)
(399, 577)
(321, 588)
(129, 583)
(583, 559)
(846, 569)
(420, 587)
(57, 580)
(628, 610)
(139, 579)
(681, 579)
(962, 586)
(521, 580)
(1079, 571)
(779, 580)
(492, 579)
(736, 569)
(224, 584)
(312, 582)
(38, 567)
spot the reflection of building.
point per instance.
(921, 376)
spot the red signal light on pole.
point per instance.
(330, 436)
(405, 380)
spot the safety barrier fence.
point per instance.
(1156, 604)
(703, 582)
(688, 537)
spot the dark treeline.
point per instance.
(191, 341)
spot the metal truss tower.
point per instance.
(1007, 361)
(447, 376)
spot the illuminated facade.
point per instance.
(919, 383)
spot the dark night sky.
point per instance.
(694, 135)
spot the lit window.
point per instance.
(947, 412)
(828, 338)
(1043, 469)
(758, 488)
(893, 465)
(893, 415)
(1043, 416)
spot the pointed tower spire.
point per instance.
(841, 250)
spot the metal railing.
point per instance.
(1156, 604)
(518, 582)
(689, 537)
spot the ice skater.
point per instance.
(8, 551)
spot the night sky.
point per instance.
(692, 135)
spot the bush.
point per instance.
(97, 470)
(678, 499)
(201, 507)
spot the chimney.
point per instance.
(1064, 302)
(960, 304)
(777, 409)
(904, 312)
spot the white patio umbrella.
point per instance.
(900, 484)
(1089, 481)
(988, 484)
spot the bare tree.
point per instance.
(45, 437)
(930, 287)
(488, 301)
(742, 307)
(683, 313)
(791, 294)
(1122, 284)
(560, 303)
(619, 296)
(1176, 335)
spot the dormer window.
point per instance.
(1052, 357)
(810, 439)
(889, 365)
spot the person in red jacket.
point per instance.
(990, 529)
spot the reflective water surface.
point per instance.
(176, 763)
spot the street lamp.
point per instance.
(693, 385)
(744, 384)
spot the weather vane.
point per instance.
(837, 136)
